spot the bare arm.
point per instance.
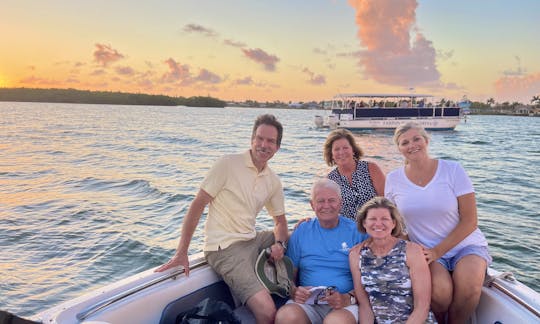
(377, 178)
(365, 313)
(421, 283)
(281, 233)
(468, 222)
(189, 224)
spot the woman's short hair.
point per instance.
(336, 135)
(381, 202)
(407, 126)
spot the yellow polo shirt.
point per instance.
(239, 193)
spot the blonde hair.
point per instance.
(381, 202)
(408, 126)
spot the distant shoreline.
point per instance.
(103, 97)
(123, 98)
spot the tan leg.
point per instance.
(291, 313)
(339, 316)
(262, 306)
(468, 277)
(441, 291)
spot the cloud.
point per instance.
(313, 78)
(317, 50)
(261, 57)
(105, 55)
(145, 83)
(391, 55)
(177, 71)
(125, 70)
(518, 71)
(444, 56)
(73, 81)
(32, 80)
(206, 76)
(180, 73)
(245, 81)
(232, 43)
(518, 88)
(194, 28)
(98, 72)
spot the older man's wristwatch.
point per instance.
(352, 298)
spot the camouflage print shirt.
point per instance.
(388, 283)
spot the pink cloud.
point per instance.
(245, 81)
(98, 72)
(207, 77)
(177, 71)
(233, 43)
(32, 80)
(518, 88)
(313, 78)
(181, 73)
(125, 70)
(390, 57)
(145, 83)
(261, 57)
(194, 28)
(105, 54)
(72, 80)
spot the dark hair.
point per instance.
(381, 202)
(336, 135)
(271, 120)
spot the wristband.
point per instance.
(283, 245)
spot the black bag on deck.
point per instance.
(208, 311)
(8, 318)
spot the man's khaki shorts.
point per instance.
(236, 264)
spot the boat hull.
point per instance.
(503, 300)
(389, 111)
(448, 123)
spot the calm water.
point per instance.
(90, 194)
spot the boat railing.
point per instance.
(91, 310)
(491, 281)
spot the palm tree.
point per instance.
(491, 101)
(535, 100)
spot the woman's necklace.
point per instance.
(422, 177)
(381, 252)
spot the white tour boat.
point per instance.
(357, 111)
(150, 297)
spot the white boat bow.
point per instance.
(150, 297)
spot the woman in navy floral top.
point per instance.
(359, 180)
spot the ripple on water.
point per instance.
(109, 201)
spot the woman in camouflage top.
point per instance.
(391, 277)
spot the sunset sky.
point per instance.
(287, 50)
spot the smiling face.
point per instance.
(342, 152)
(379, 223)
(264, 144)
(326, 203)
(413, 145)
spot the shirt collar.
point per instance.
(249, 163)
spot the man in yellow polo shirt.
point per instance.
(236, 189)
